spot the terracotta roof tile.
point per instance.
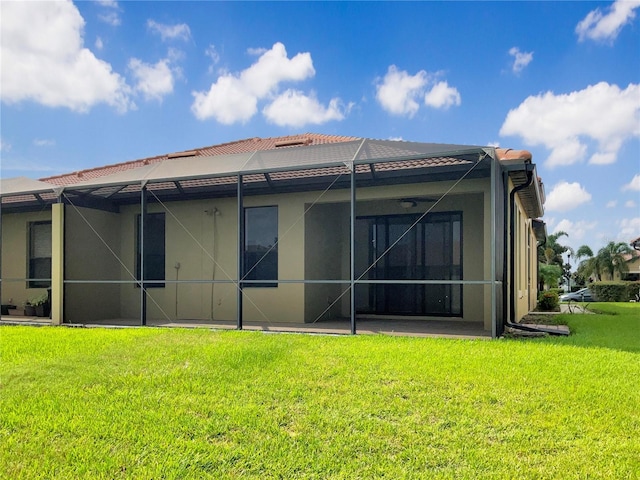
(239, 146)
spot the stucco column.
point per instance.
(57, 263)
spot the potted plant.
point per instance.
(41, 305)
(29, 309)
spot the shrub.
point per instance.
(557, 291)
(548, 301)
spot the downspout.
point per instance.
(512, 255)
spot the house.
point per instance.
(633, 263)
(300, 228)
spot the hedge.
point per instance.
(615, 291)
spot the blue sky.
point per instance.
(92, 83)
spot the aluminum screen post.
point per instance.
(352, 239)
(494, 315)
(240, 251)
(143, 291)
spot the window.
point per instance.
(261, 245)
(154, 245)
(39, 255)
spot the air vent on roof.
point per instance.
(189, 153)
(297, 142)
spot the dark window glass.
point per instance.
(154, 248)
(401, 249)
(39, 255)
(261, 245)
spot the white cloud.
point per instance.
(629, 229)
(43, 142)
(398, 91)
(611, 204)
(99, 43)
(634, 184)
(4, 146)
(45, 61)
(566, 196)
(111, 16)
(256, 52)
(234, 97)
(606, 26)
(520, 59)
(630, 204)
(179, 31)
(442, 96)
(153, 81)
(295, 109)
(213, 54)
(577, 231)
(565, 123)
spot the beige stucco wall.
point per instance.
(15, 241)
(526, 262)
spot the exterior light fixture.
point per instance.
(407, 204)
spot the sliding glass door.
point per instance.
(406, 247)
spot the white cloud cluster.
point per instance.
(600, 26)
(566, 196)
(154, 81)
(442, 96)
(179, 31)
(629, 229)
(234, 97)
(576, 231)
(111, 15)
(295, 109)
(520, 59)
(47, 62)
(400, 93)
(634, 184)
(562, 123)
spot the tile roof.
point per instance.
(239, 146)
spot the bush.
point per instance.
(548, 301)
(615, 291)
(557, 291)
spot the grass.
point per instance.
(174, 403)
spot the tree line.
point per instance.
(609, 260)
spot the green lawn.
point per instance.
(174, 403)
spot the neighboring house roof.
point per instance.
(635, 244)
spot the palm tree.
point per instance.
(610, 259)
(587, 266)
(552, 252)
